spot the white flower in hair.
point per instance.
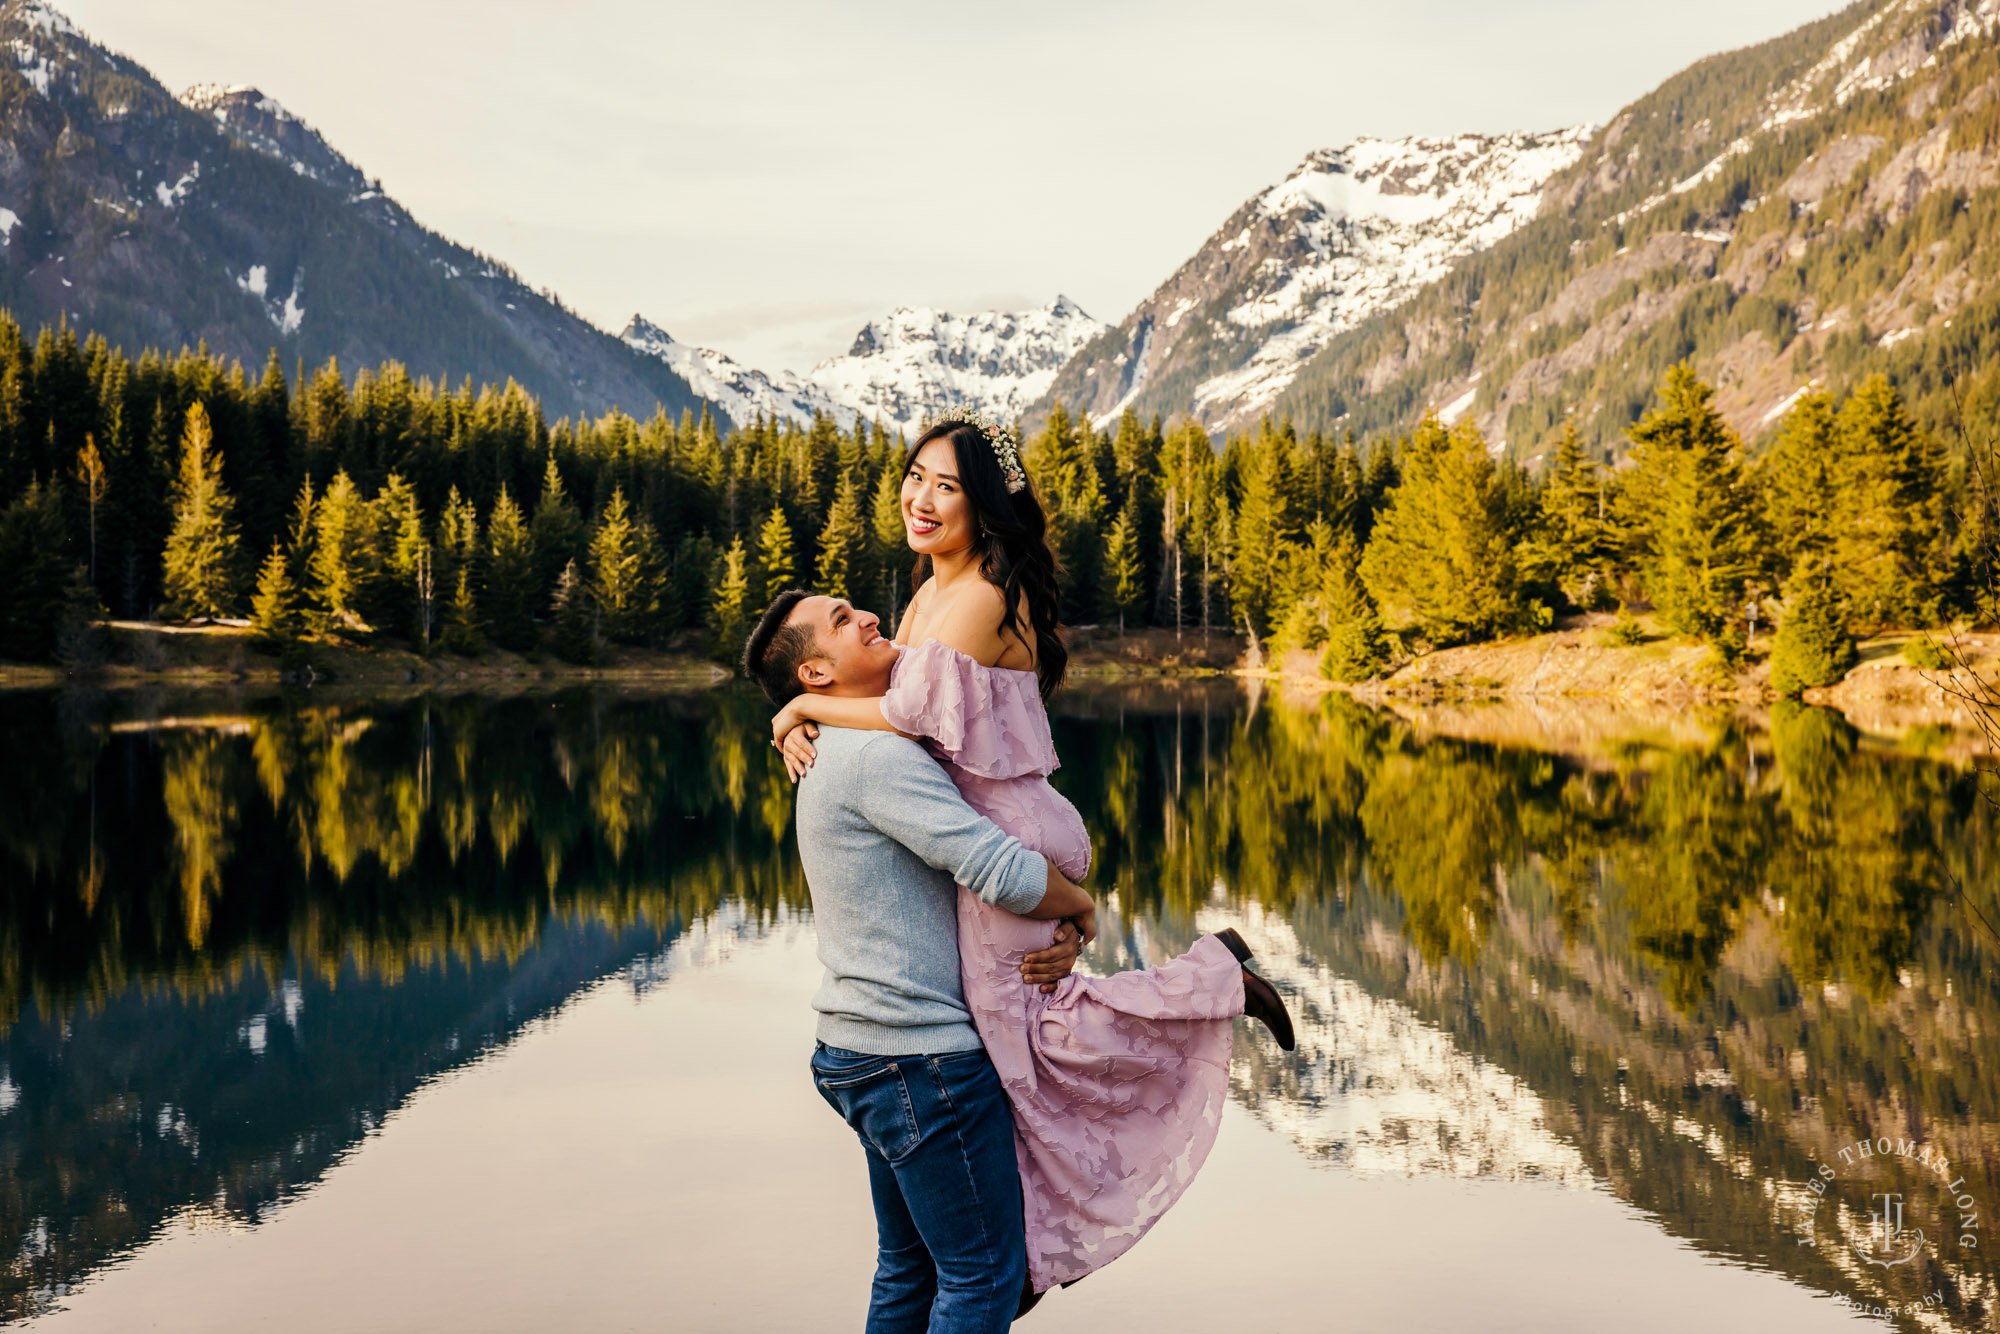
(1005, 449)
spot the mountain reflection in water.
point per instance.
(235, 935)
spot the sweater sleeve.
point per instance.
(909, 798)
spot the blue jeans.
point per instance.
(940, 1144)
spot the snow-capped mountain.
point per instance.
(1351, 232)
(1756, 213)
(903, 368)
(740, 393)
(220, 218)
(915, 361)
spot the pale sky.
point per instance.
(763, 176)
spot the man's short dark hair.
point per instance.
(772, 656)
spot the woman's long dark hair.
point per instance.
(1010, 536)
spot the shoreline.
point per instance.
(207, 656)
(1882, 692)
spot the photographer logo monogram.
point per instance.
(1899, 1207)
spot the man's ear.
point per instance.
(816, 673)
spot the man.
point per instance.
(885, 839)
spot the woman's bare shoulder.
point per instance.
(972, 625)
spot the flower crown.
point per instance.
(1005, 449)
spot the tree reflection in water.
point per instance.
(233, 937)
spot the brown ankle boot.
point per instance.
(1261, 1000)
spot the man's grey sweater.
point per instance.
(885, 840)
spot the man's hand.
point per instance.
(1086, 923)
(1045, 968)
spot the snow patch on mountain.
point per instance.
(288, 314)
(36, 56)
(916, 362)
(170, 195)
(737, 391)
(44, 18)
(1365, 227)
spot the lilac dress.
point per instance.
(1117, 1083)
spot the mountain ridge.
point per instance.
(901, 369)
(224, 220)
(1350, 232)
(1799, 213)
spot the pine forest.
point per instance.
(378, 506)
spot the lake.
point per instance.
(484, 1012)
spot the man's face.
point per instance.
(853, 656)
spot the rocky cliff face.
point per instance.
(1352, 232)
(163, 222)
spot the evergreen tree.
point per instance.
(1440, 556)
(1571, 544)
(1357, 649)
(556, 530)
(1796, 481)
(888, 547)
(274, 609)
(458, 538)
(623, 585)
(1122, 589)
(1263, 530)
(1062, 466)
(397, 598)
(730, 613)
(777, 556)
(344, 551)
(299, 533)
(1813, 646)
(33, 552)
(1685, 499)
(201, 558)
(1328, 608)
(575, 618)
(510, 575)
(464, 631)
(1888, 550)
(843, 545)
(1382, 476)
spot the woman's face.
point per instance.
(937, 518)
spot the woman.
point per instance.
(1116, 1083)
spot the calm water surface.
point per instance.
(490, 1013)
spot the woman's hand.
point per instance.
(796, 746)
(784, 721)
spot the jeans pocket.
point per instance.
(875, 1101)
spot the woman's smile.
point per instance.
(936, 513)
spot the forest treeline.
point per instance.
(459, 517)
